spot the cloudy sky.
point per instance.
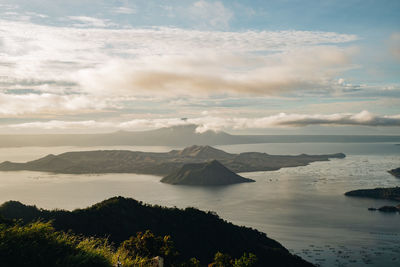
(293, 67)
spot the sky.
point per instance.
(264, 67)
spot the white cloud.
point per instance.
(9, 6)
(123, 10)
(210, 13)
(12, 105)
(364, 118)
(205, 123)
(85, 21)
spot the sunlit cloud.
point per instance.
(75, 64)
(211, 74)
(24, 40)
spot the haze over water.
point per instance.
(303, 207)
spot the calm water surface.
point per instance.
(303, 208)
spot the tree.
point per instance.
(225, 260)
(247, 260)
(147, 245)
(222, 260)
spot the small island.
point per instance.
(207, 173)
(395, 172)
(390, 209)
(391, 193)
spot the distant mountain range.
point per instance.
(124, 161)
(176, 136)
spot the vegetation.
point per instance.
(146, 246)
(225, 260)
(39, 244)
(197, 235)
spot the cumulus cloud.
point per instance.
(206, 123)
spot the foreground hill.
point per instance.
(207, 173)
(124, 161)
(392, 193)
(194, 232)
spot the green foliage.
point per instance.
(38, 244)
(146, 245)
(222, 260)
(193, 262)
(247, 260)
(225, 260)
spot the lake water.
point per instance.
(303, 208)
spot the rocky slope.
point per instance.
(208, 173)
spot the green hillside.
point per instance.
(196, 234)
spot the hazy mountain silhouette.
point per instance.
(185, 135)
